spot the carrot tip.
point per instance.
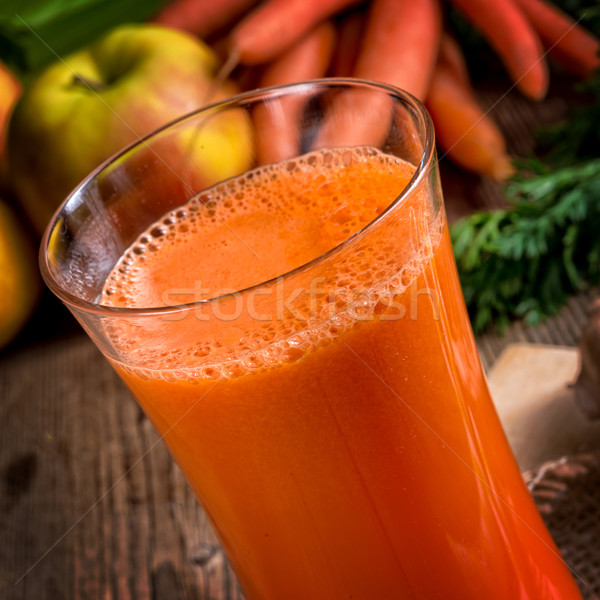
(502, 168)
(535, 82)
(536, 94)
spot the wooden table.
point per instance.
(91, 505)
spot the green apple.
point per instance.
(87, 107)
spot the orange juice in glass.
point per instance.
(296, 333)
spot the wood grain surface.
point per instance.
(91, 504)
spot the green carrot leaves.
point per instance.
(524, 261)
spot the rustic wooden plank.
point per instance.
(563, 329)
(30, 423)
(93, 506)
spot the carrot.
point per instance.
(463, 131)
(350, 32)
(356, 117)
(307, 59)
(202, 17)
(399, 47)
(507, 29)
(277, 127)
(276, 25)
(400, 44)
(451, 56)
(568, 42)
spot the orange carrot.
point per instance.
(451, 56)
(568, 42)
(399, 47)
(400, 44)
(277, 127)
(202, 17)
(356, 117)
(507, 29)
(463, 131)
(275, 25)
(350, 32)
(307, 59)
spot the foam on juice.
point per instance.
(262, 225)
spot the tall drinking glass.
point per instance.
(273, 279)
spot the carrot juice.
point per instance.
(334, 422)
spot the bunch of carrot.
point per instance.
(400, 42)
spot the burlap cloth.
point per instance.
(567, 493)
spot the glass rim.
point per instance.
(97, 308)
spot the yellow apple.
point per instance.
(87, 107)
(19, 277)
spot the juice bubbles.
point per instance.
(334, 423)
